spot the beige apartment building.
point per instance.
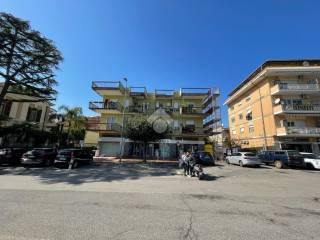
(183, 109)
(277, 107)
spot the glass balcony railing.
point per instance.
(109, 127)
(105, 105)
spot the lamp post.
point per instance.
(123, 122)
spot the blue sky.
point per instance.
(168, 43)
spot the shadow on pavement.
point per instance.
(105, 172)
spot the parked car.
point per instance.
(282, 158)
(205, 158)
(311, 160)
(244, 159)
(39, 156)
(78, 156)
(11, 155)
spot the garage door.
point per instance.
(110, 149)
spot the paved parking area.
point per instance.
(113, 201)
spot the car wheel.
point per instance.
(75, 164)
(278, 164)
(241, 164)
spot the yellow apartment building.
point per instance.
(183, 107)
(277, 107)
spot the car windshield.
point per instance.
(65, 153)
(250, 154)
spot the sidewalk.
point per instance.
(132, 160)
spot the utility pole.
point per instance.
(123, 122)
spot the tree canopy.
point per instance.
(27, 60)
(140, 129)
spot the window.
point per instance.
(242, 129)
(232, 119)
(5, 108)
(190, 122)
(290, 124)
(176, 124)
(176, 105)
(249, 115)
(234, 132)
(251, 129)
(240, 116)
(33, 115)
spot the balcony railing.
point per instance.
(191, 110)
(210, 107)
(107, 85)
(190, 130)
(138, 91)
(109, 127)
(164, 93)
(303, 131)
(105, 105)
(295, 86)
(301, 107)
(194, 91)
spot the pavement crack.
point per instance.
(189, 234)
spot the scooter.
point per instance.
(198, 171)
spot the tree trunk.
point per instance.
(4, 91)
(144, 152)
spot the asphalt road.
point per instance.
(153, 202)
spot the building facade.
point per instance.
(183, 108)
(18, 108)
(277, 107)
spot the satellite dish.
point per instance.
(277, 100)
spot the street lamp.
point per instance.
(123, 122)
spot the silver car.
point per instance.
(244, 159)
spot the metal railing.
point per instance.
(301, 107)
(194, 91)
(105, 105)
(191, 110)
(112, 127)
(303, 130)
(297, 86)
(164, 93)
(192, 130)
(138, 91)
(107, 85)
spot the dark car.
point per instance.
(39, 156)
(282, 158)
(204, 158)
(11, 155)
(77, 156)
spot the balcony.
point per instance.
(108, 87)
(164, 93)
(105, 127)
(298, 131)
(138, 92)
(112, 107)
(194, 93)
(213, 93)
(210, 108)
(190, 130)
(191, 110)
(293, 88)
(310, 109)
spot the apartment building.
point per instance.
(184, 108)
(277, 107)
(18, 108)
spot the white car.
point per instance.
(244, 159)
(311, 159)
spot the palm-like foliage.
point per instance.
(74, 122)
